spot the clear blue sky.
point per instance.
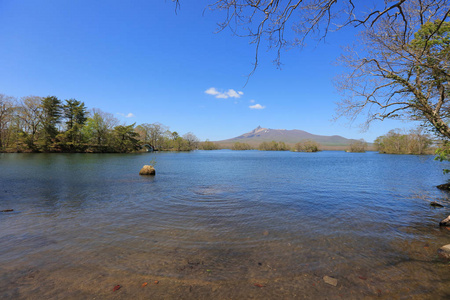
(145, 63)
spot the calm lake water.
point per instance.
(222, 225)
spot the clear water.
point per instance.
(222, 225)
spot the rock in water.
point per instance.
(445, 222)
(330, 280)
(444, 187)
(147, 170)
(444, 251)
(435, 204)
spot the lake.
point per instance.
(222, 225)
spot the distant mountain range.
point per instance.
(259, 135)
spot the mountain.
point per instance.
(259, 135)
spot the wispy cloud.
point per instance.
(252, 101)
(257, 106)
(129, 115)
(224, 95)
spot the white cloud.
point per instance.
(212, 91)
(224, 95)
(257, 106)
(252, 101)
(233, 94)
(129, 115)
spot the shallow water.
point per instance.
(222, 224)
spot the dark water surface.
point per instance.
(222, 225)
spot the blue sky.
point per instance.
(145, 63)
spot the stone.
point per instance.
(445, 222)
(435, 204)
(330, 280)
(7, 210)
(147, 170)
(445, 186)
(444, 251)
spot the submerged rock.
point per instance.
(445, 222)
(444, 251)
(7, 210)
(147, 170)
(445, 186)
(330, 280)
(435, 204)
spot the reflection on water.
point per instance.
(221, 224)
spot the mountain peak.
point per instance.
(260, 134)
(257, 129)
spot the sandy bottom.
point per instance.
(225, 274)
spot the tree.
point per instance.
(175, 135)
(30, 113)
(208, 145)
(180, 144)
(397, 141)
(443, 153)
(75, 115)
(125, 138)
(419, 142)
(241, 146)
(7, 108)
(358, 146)
(98, 128)
(143, 133)
(266, 146)
(307, 146)
(192, 140)
(393, 142)
(401, 72)
(399, 68)
(51, 117)
(273, 146)
(152, 134)
(33, 124)
(270, 19)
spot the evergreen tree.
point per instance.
(76, 116)
(125, 138)
(51, 117)
(75, 113)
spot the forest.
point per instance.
(397, 141)
(48, 124)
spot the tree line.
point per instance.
(397, 141)
(303, 146)
(48, 124)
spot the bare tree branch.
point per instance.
(400, 67)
